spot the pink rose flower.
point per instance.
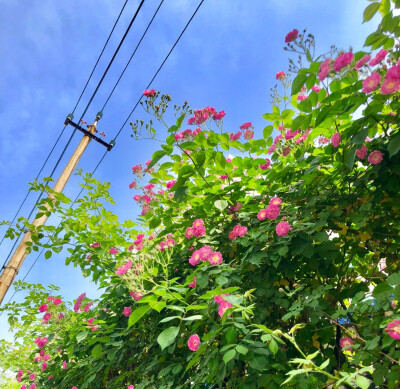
(127, 311)
(375, 157)
(393, 329)
(280, 75)
(291, 36)
(218, 116)
(205, 253)
(361, 62)
(215, 258)
(262, 214)
(302, 97)
(223, 307)
(275, 201)
(193, 283)
(113, 250)
(132, 185)
(44, 366)
(137, 296)
(43, 308)
(378, 58)
(57, 301)
(32, 376)
(336, 139)
(131, 387)
(346, 342)
(194, 342)
(272, 212)
(149, 93)
(170, 184)
(316, 88)
(393, 73)
(248, 134)
(362, 153)
(371, 83)
(195, 258)
(95, 245)
(342, 61)
(219, 299)
(236, 136)
(64, 364)
(324, 69)
(390, 86)
(245, 126)
(282, 228)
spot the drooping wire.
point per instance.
(118, 133)
(62, 132)
(134, 52)
(41, 252)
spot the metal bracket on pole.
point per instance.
(99, 115)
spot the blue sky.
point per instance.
(227, 58)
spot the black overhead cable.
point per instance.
(41, 252)
(134, 52)
(55, 144)
(130, 114)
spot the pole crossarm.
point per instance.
(68, 120)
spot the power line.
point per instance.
(130, 114)
(134, 52)
(62, 132)
(41, 252)
(87, 106)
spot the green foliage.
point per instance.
(290, 299)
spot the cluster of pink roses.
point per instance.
(188, 133)
(272, 211)
(166, 244)
(247, 132)
(201, 115)
(223, 305)
(138, 243)
(79, 301)
(124, 268)
(136, 295)
(41, 342)
(237, 231)
(196, 230)
(265, 165)
(205, 254)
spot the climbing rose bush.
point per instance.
(260, 259)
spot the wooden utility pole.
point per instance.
(14, 264)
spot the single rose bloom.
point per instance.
(280, 75)
(342, 61)
(223, 307)
(336, 139)
(275, 201)
(371, 83)
(362, 153)
(393, 329)
(346, 342)
(375, 157)
(291, 36)
(378, 58)
(127, 311)
(193, 283)
(361, 62)
(194, 342)
(43, 308)
(195, 258)
(390, 86)
(282, 228)
(57, 301)
(262, 214)
(149, 93)
(215, 258)
(245, 126)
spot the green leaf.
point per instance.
(322, 115)
(154, 223)
(169, 318)
(394, 279)
(273, 346)
(137, 314)
(298, 82)
(349, 158)
(200, 158)
(220, 160)
(394, 146)
(384, 7)
(156, 157)
(362, 382)
(81, 335)
(181, 193)
(167, 337)
(221, 280)
(267, 132)
(47, 254)
(229, 355)
(382, 291)
(370, 11)
(241, 349)
(96, 351)
(192, 318)
(221, 204)
(180, 120)
(231, 334)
